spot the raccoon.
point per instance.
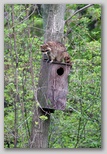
(55, 51)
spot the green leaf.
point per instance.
(43, 117)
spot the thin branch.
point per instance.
(85, 7)
(24, 19)
(78, 134)
(16, 81)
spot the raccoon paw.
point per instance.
(51, 61)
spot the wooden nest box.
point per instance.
(53, 85)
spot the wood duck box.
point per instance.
(53, 85)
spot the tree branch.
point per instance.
(16, 81)
(78, 12)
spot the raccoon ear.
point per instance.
(41, 46)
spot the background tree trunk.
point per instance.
(53, 16)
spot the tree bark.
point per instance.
(39, 135)
(53, 16)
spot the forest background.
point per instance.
(79, 126)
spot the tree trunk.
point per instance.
(39, 134)
(53, 16)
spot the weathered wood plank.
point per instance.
(53, 85)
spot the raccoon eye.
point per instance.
(47, 50)
(42, 51)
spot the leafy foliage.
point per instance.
(79, 126)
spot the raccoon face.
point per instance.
(45, 49)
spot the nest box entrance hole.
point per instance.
(60, 71)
